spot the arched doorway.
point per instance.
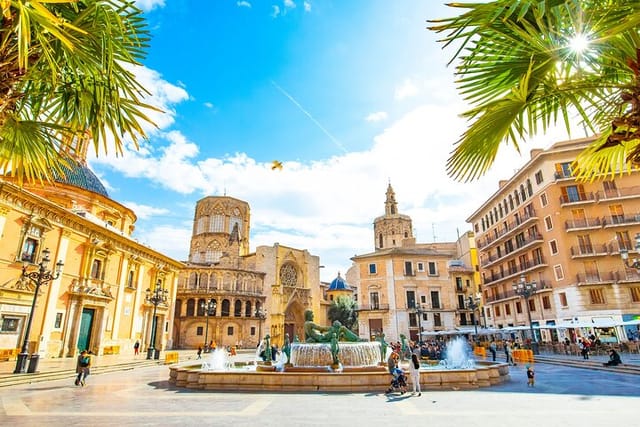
(294, 321)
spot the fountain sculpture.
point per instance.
(332, 358)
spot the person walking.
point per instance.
(83, 365)
(199, 352)
(508, 351)
(492, 349)
(530, 376)
(136, 348)
(414, 371)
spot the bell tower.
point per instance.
(392, 228)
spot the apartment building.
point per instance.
(543, 226)
(404, 287)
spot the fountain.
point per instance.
(325, 364)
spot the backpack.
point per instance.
(84, 361)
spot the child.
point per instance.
(530, 376)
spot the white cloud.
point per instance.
(405, 90)
(145, 211)
(377, 116)
(276, 11)
(148, 5)
(307, 6)
(290, 4)
(243, 4)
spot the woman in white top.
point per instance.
(414, 371)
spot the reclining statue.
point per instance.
(317, 333)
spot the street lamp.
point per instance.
(156, 297)
(473, 304)
(209, 310)
(419, 310)
(526, 290)
(40, 277)
(624, 254)
(260, 314)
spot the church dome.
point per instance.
(79, 175)
(339, 284)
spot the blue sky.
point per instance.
(348, 94)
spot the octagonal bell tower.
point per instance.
(393, 227)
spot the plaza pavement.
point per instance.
(563, 396)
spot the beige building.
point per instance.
(99, 300)
(565, 236)
(266, 291)
(404, 287)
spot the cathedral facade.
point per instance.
(228, 296)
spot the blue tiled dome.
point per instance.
(79, 175)
(339, 284)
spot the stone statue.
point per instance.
(296, 338)
(267, 348)
(335, 349)
(405, 350)
(317, 333)
(286, 349)
(383, 347)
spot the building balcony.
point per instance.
(521, 220)
(577, 199)
(529, 265)
(510, 294)
(563, 176)
(520, 247)
(586, 251)
(204, 291)
(373, 307)
(596, 278)
(628, 275)
(618, 194)
(583, 224)
(621, 220)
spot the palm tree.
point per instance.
(65, 73)
(343, 309)
(526, 65)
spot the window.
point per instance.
(411, 299)
(518, 307)
(507, 309)
(546, 302)
(617, 214)
(199, 331)
(237, 308)
(201, 222)
(543, 199)
(437, 321)
(96, 269)
(563, 170)
(497, 310)
(413, 320)
(230, 331)
(433, 271)
(635, 294)
(408, 268)
(253, 331)
(435, 299)
(538, 177)
(216, 225)
(596, 296)
(9, 324)
(532, 305)
(375, 300)
(31, 240)
(58, 322)
(557, 270)
(548, 223)
(563, 299)
(459, 287)
(420, 266)
(553, 247)
(573, 193)
(372, 269)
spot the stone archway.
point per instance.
(294, 320)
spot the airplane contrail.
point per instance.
(322, 128)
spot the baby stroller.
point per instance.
(398, 382)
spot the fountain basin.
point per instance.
(189, 375)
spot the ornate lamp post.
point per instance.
(209, 310)
(624, 254)
(156, 297)
(261, 314)
(39, 277)
(473, 304)
(526, 291)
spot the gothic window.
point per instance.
(191, 307)
(235, 221)
(247, 309)
(204, 280)
(226, 305)
(216, 225)
(201, 223)
(193, 280)
(380, 240)
(288, 275)
(237, 308)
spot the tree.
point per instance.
(526, 65)
(64, 74)
(343, 308)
